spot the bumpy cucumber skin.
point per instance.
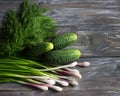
(62, 56)
(64, 40)
(39, 49)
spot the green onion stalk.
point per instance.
(37, 74)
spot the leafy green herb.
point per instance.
(12, 40)
(29, 27)
(37, 25)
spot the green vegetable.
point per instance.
(64, 40)
(12, 39)
(39, 49)
(37, 26)
(36, 74)
(62, 56)
(29, 26)
(18, 68)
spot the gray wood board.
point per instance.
(97, 22)
(101, 78)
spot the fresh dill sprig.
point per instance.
(29, 26)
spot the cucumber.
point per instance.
(39, 49)
(61, 56)
(64, 40)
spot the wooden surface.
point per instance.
(97, 23)
(102, 78)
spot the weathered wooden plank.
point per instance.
(97, 22)
(3, 6)
(75, 93)
(101, 78)
(82, 1)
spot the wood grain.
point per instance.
(101, 78)
(97, 22)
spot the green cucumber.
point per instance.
(61, 56)
(39, 49)
(64, 40)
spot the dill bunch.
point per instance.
(38, 27)
(12, 39)
(30, 26)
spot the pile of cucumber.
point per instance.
(55, 51)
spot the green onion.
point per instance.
(38, 75)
